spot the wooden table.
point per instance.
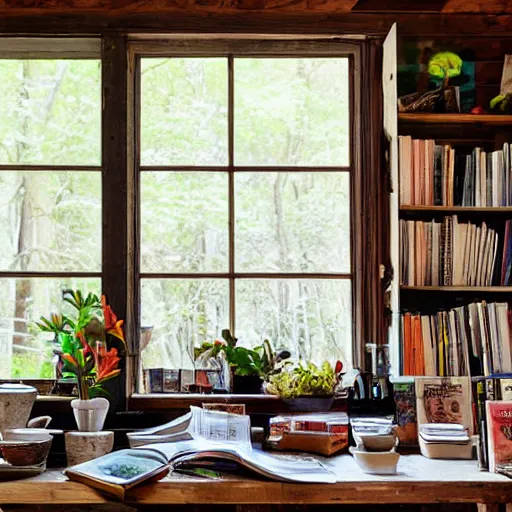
(419, 480)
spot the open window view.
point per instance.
(245, 205)
(50, 201)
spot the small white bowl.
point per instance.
(375, 442)
(378, 463)
(29, 434)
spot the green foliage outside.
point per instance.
(287, 112)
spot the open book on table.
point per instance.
(117, 472)
(199, 439)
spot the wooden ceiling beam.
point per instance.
(133, 7)
(200, 19)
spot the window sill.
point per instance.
(255, 404)
(54, 398)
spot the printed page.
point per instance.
(221, 426)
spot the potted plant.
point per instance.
(85, 351)
(249, 366)
(304, 386)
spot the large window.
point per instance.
(244, 167)
(50, 190)
(202, 184)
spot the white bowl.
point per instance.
(375, 442)
(378, 463)
(29, 434)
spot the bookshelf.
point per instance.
(462, 132)
(427, 119)
(457, 209)
(458, 289)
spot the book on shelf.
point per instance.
(406, 428)
(439, 175)
(453, 253)
(467, 340)
(499, 435)
(444, 400)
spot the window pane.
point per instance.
(310, 318)
(292, 111)
(184, 220)
(184, 104)
(50, 221)
(25, 352)
(50, 112)
(182, 313)
(292, 222)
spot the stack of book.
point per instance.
(432, 174)
(444, 441)
(450, 253)
(467, 340)
(325, 433)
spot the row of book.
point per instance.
(450, 253)
(466, 340)
(432, 174)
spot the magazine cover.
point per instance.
(405, 401)
(499, 432)
(444, 400)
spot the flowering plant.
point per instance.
(83, 342)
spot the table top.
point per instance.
(419, 480)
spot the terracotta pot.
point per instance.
(90, 414)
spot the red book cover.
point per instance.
(499, 432)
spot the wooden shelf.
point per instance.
(465, 289)
(471, 119)
(456, 209)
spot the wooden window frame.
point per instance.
(120, 186)
(230, 49)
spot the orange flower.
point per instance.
(70, 359)
(112, 324)
(106, 362)
(83, 341)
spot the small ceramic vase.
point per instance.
(90, 414)
(16, 402)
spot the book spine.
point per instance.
(481, 425)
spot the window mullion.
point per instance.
(231, 191)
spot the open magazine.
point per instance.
(201, 438)
(119, 471)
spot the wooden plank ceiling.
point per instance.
(451, 18)
(141, 7)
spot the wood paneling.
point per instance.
(478, 6)
(195, 18)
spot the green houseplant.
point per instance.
(85, 346)
(305, 386)
(249, 366)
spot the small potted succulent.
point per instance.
(304, 386)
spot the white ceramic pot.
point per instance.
(16, 402)
(90, 414)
